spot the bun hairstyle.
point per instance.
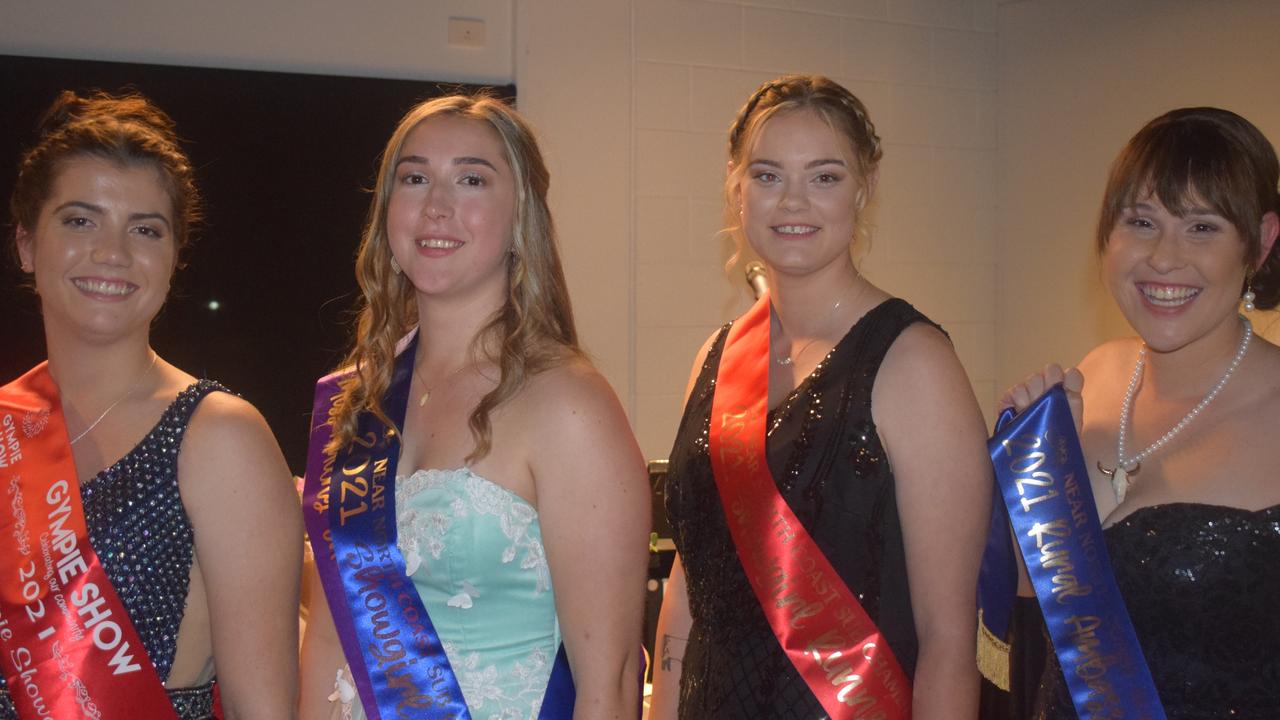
(1198, 157)
(125, 129)
(841, 109)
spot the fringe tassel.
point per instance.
(993, 656)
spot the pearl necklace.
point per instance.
(119, 400)
(1126, 467)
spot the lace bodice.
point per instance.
(474, 551)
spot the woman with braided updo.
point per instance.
(149, 539)
(829, 487)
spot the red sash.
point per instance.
(821, 626)
(69, 648)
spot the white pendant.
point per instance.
(1120, 484)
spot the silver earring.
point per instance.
(1248, 298)
(395, 266)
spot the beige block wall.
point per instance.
(927, 71)
(1077, 80)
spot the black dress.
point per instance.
(140, 531)
(825, 454)
(1202, 585)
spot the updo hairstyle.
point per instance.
(127, 130)
(1202, 157)
(841, 109)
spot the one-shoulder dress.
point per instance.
(825, 454)
(141, 533)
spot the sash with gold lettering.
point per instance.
(396, 656)
(1042, 478)
(825, 632)
(70, 649)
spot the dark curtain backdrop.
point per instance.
(285, 162)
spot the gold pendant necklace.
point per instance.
(426, 393)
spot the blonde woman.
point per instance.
(475, 497)
(829, 486)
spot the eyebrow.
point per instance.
(466, 160)
(808, 166)
(98, 209)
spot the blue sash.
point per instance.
(1047, 498)
(396, 656)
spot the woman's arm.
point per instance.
(322, 655)
(593, 504)
(936, 441)
(244, 511)
(674, 620)
(674, 624)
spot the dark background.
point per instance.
(284, 162)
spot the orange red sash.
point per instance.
(816, 619)
(69, 647)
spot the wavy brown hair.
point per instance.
(531, 332)
(838, 107)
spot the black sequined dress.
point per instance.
(143, 538)
(1202, 586)
(825, 454)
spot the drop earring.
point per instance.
(395, 266)
(1248, 297)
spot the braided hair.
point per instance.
(838, 107)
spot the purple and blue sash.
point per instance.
(1048, 501)
(396, 657)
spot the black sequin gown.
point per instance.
(143, 538)
(1202, 586)
(825, 454)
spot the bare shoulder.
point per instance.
(1112, 354)
(570, 391)
(228, 447)
(921, 381)
(225, 422)
(919, 353)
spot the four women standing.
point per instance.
(476, 501)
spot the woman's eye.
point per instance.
(77, 222)
(1204, 228)
(765, 176)
(827, 178)
(413, 179)
(150, 231)
(1139, 222)
(472, 180)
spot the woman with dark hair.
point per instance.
(477, 504)
(1177, 430)
(828, 486)
(151, 537)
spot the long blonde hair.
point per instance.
(531, 332)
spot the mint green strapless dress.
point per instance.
(474, 551)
